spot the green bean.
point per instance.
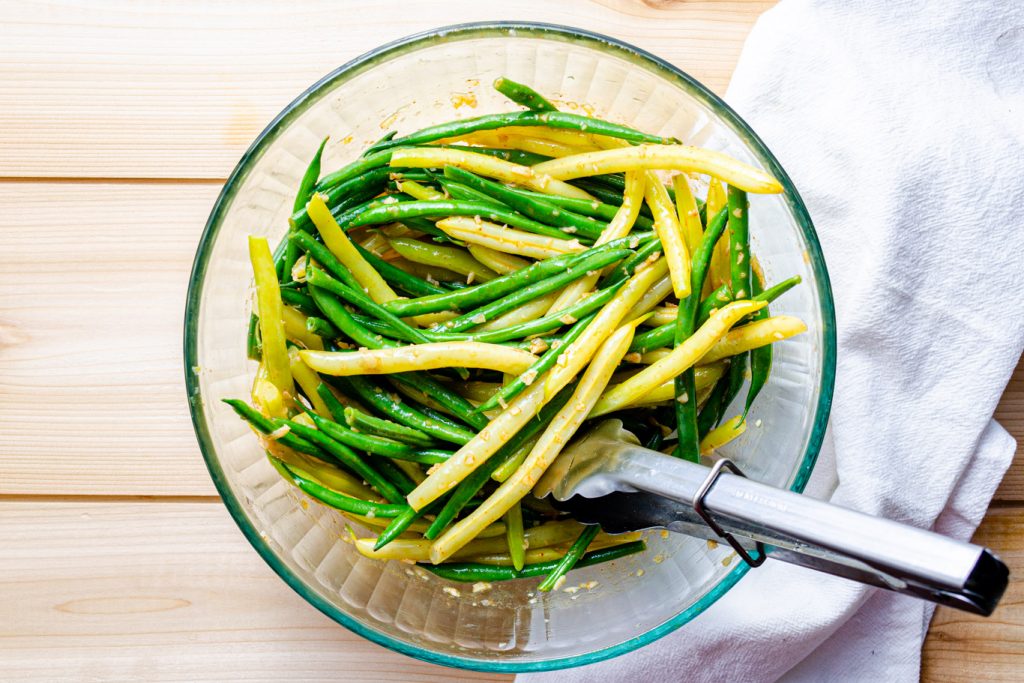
(450, 400)
(374, 445)
(395, 475)
(407, 282)
(551, 119)
(514, 535)
(471, 571)
(464, 192)
(357, 168)
(325, 258)
(542, 365)
(739, 271)
(534, 207)
(491, 211)
(302, 302)
(688, 447)
(266, 425)
(622, 271)
(585, 207)
(472, 484)
(350, 459)
(664, 335)
(498, 287)
(377, 426)
(376, 398)
(306, 186)
(321, 327)
(739, 242)
(343, 320)
(712, 302)
(343, 196)
(516, 156)
(379, 327)
(253, 344)
(338, 500)
(760, 358)
(714, 408)
(357, 297)
(398, 525)
(593, 262)
(522, 94)
(570, 558)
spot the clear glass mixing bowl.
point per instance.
(419, 81)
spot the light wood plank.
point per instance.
(1010, 414)
(961, 647)
(125, 89)
(92, 292)
(154, 592)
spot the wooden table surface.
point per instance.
(118, 123)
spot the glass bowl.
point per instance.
(419, 81)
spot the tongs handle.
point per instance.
(832, 539)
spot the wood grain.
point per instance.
(1010, 414)
(165, 591)
(92, 397)
(964, 647)
(125, 89)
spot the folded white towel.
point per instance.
(902, 125)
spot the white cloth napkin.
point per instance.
(902, 125)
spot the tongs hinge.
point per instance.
(698, 507)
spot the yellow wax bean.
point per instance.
(686, 208)
(531, 310)
(309, 381)
(340, 245)
(578, 354)
(322, 473)
(465, 354)
(418, 191)
(437, 157)
(754, 335)
(267, 398)
(451, 258)
(477, 391)
(678, 360)
(719, 270)
(673, 243)
(296, 330)
(658, 291)
(498, 261)
(723, 434)
(558, 433)
(704, 376)
(271, 312)
(552, 533)
(662, 315)
(667, 157)
(527, 143)
(506, 239)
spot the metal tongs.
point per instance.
(607, 478)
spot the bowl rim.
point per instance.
(465, 31)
